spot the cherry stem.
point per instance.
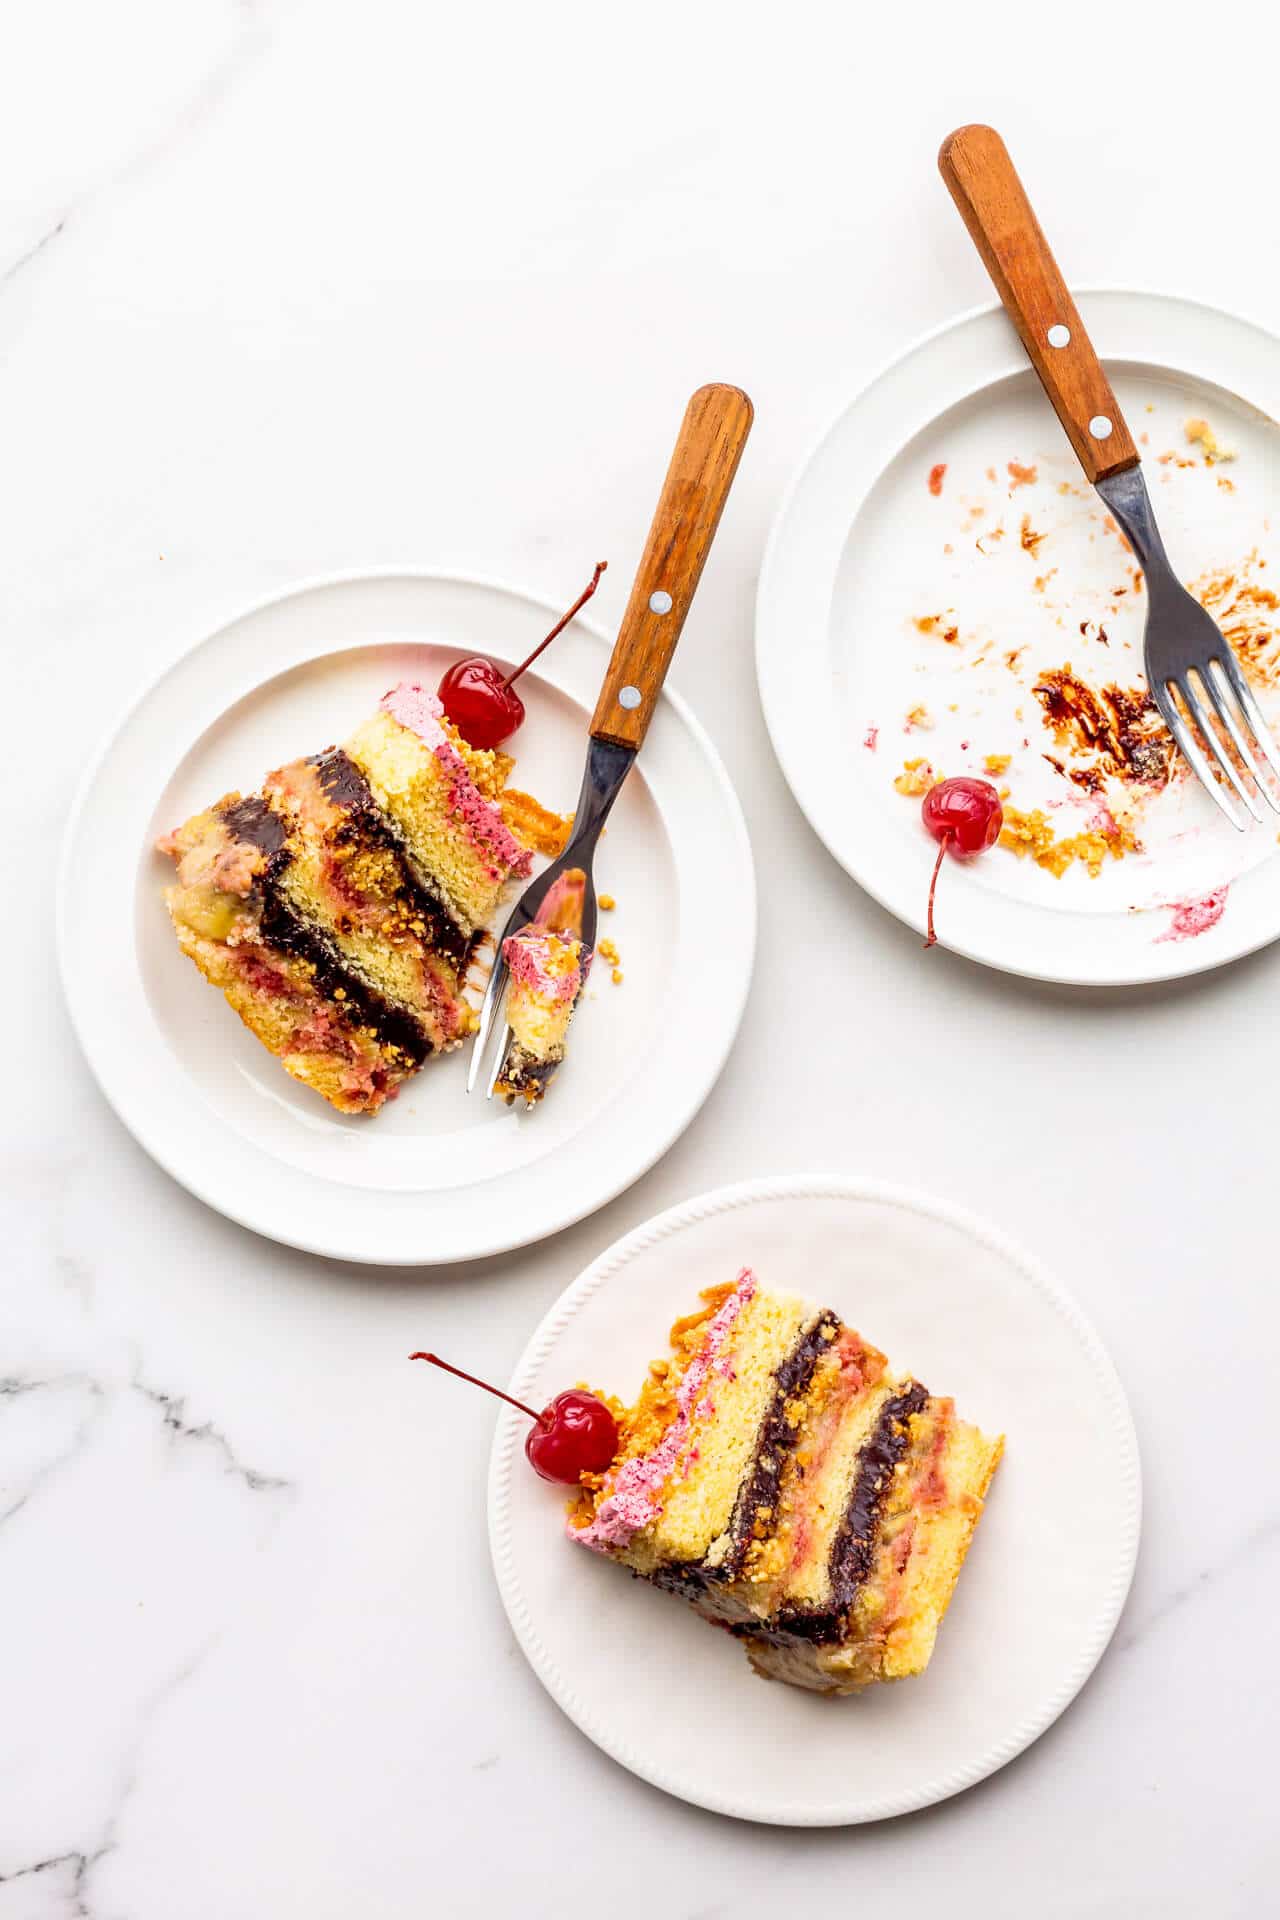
(943, 843)
(559, 627)
(497, 1392)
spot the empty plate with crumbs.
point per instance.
(943, 567)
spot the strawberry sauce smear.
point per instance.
(1192, 917)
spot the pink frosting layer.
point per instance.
(526, 957)
(633, 1500)
(421, 712)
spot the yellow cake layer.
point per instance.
(941, 1536)
(410, 784)
(698, 1501)
(538, 1020)
(538, 1027)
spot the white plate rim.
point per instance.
(737, 972)
(508, 1441)
(1179, 961)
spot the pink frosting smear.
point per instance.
(526, 958)
(421, 712)
(1191, 917)
(633, 1500)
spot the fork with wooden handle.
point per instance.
(708, 448)
(1187, 659)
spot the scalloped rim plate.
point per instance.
(1039, 1596)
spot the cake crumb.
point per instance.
(1021, 476)
(936, 476)
(534, 825)
(918, 717)
(997, 763)
(917, 777)
(1030, 538)
(617, 976)
(1200, 433)
(606, 903)
(1032, 834)
(932, 623)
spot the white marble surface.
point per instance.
(289, 288)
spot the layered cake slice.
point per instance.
(339, 908)
(547, 970)
(547, 967)
(778, 1474)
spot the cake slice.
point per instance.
(547, 967)
(339, 908)
(547, 970)
(778, 1474)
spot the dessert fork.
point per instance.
(1183, 645)
(708, 448)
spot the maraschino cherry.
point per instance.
(964, 815)
(574, 1434)
(482, 701)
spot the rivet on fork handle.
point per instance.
(714, 431)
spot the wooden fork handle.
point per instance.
(712, 435)
(976, 166)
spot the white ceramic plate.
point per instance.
(1039, 1596)
(437, 1175)
(861, 552)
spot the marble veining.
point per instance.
(70, 1872)
(63, 1888)
(17, 1487)
(11, 272)
(172, 1408)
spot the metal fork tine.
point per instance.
(1187, 745)
(1219, 692)
(1252, 711)
(493, 997)
(500, 1054)
(1195, 707)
